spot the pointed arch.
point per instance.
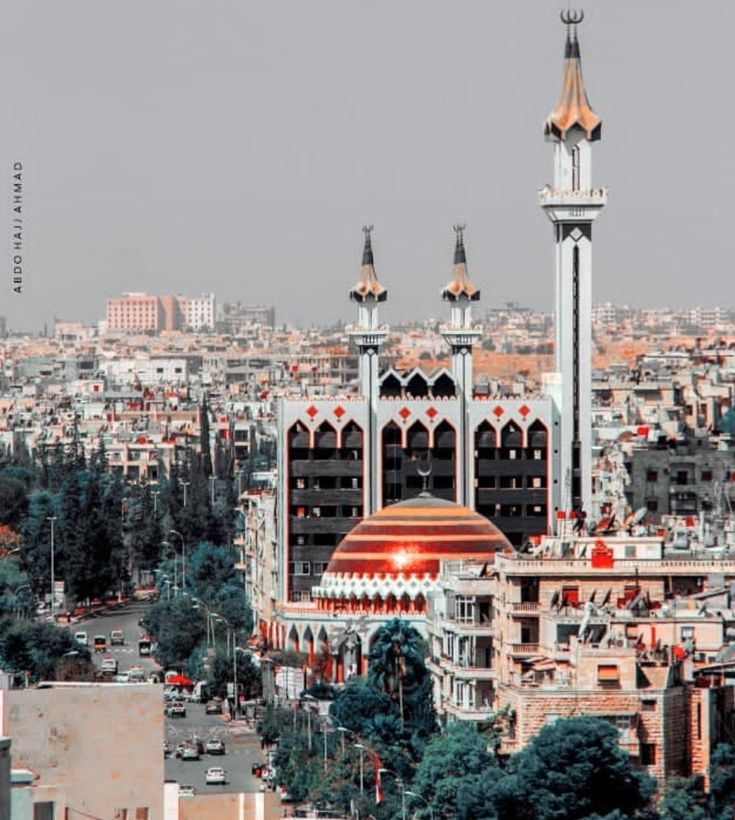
(391, 385)
(443, 385)
(511, 435)
(325, 437)
(538, 435)
(417, 385)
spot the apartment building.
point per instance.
(626, 628)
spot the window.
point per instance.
(464, 609)
(299, 568)
(652, 505)
(571, 595)
(651, 475)
(706, 475)
(120, 814)
(630, 550)
(319, 567)
(648, 754)
(648, 705)
(45, 810)
(687, 633)
(608, 674)
(141, 813)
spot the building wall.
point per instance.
(101, 743)
(134, 311)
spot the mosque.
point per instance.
(381, 487)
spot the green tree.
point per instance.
(178, 629)
(684, 800)
(573, 769)
(396, 666)
(13, 501)
(36, 540)
(36, 648)
(455, 765)
(722, 782)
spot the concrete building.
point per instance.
(342, 458)
(200, 312)
(620, 627)
(135, 311)
(93, 749)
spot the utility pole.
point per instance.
(52, 519)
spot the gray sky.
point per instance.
(182, 146)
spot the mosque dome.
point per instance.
(398, 550)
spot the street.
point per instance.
(242, 744)
(125, 618)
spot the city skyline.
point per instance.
(145, 175)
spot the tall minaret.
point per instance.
(461, 335)
(368, 335)
(572, 204)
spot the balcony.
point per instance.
(525, 650)
(524, 607)
(466, 711)
(478, 628)
(445, 665)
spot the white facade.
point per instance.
(200, 312)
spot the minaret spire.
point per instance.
(368, 335)
(461, 334)
(572, 205)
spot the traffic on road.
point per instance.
(204, 751)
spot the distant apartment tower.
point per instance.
(135, 311)
(200, 312)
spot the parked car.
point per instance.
(176, 710)
(214, 707)
(215, 747)
(81, 638)
(187, 791)
(166, 749)
(100, 643)
(117, 637)
(180, 748)
(215, 776)
(190, 753)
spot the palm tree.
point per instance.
(396, 657)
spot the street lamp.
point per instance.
(401, 785)
(419, 797)
(52, 519)
(344, 730)
(185, 484)
(362, 768)
(212, 480)
(230, 629)
(183, 556)
(169, 544)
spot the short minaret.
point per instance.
(572, 205)
(368, 334)
(460, 334)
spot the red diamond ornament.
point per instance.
(498, 411)
(524, 411)
(339, 412)
(432, 413)
(404, 413)
(311, 411)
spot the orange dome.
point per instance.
(399, 549)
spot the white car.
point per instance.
(109, 666)
(81, 638)
(216, 776)
(187, 791)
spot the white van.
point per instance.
(81, 638)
